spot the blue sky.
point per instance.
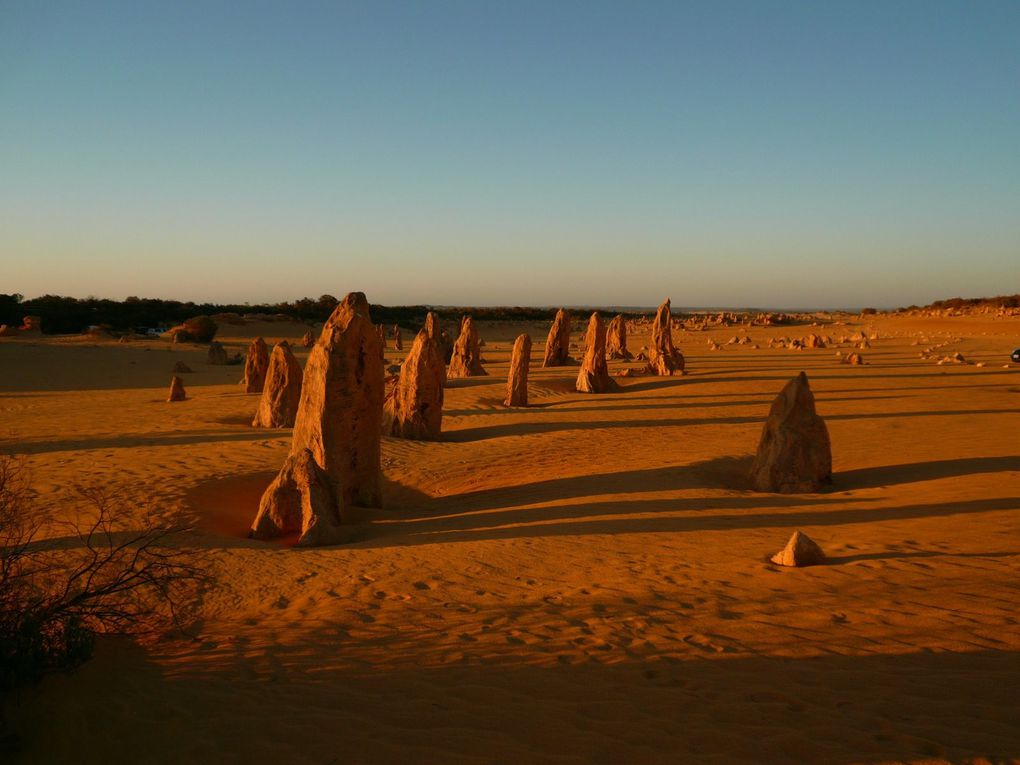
(722, 153)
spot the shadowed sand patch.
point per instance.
(579, 581)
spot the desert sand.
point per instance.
(585, 580)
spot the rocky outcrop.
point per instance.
(517, 378)
(31, 325)
(176, 389)
(302, 500)
(663, 358)
(398, 341)
(594, 374)
(308, 340)
(616, 339)
(466, 360)
(282, 391)
(339, 416)
(414, 407)
(853, 359)
(794, 454)
(255, 366)
(557, 344)
(801, 550)
(217, 354)
(181, 368)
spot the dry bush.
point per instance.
(59, 592)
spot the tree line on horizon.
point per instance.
(69, 315)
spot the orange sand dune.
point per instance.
(581, 581)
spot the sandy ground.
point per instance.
(581, 581)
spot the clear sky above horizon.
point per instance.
(787, 154)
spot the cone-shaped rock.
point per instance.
(398, 341)
(217, 354)
(282, 392)
(414, 408)
(616, 339)
(663, 358)
(467, 356)
(176, 389)
(801, 550)
(594, 375)
(794, 454)
(557, 345)
(301, 499)
(308, 340)
(517, 379)
(255, 366)
(339, 418)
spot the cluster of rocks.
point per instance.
(741, 340)
(334, 461)
(31, 326)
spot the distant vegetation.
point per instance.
(956, 303)
(68, 315)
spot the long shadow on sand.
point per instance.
(529, 428)
(136, 441)
(869, 478)
(548, 521)
(679, 402)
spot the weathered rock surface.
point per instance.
(414, 408)
(517, 378)
(301, 500)
(593, 376)
(181, 368)
(217, 354)
(282, 391)
(853, 358)
(616, 339)
(31, 325)
(255, 366)
(557, 344)
(308, 340)
(398, 341)
(794, 454)
(663, 358)
(339, 416)
(176, 389)
(801, 550)
(466, 360)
